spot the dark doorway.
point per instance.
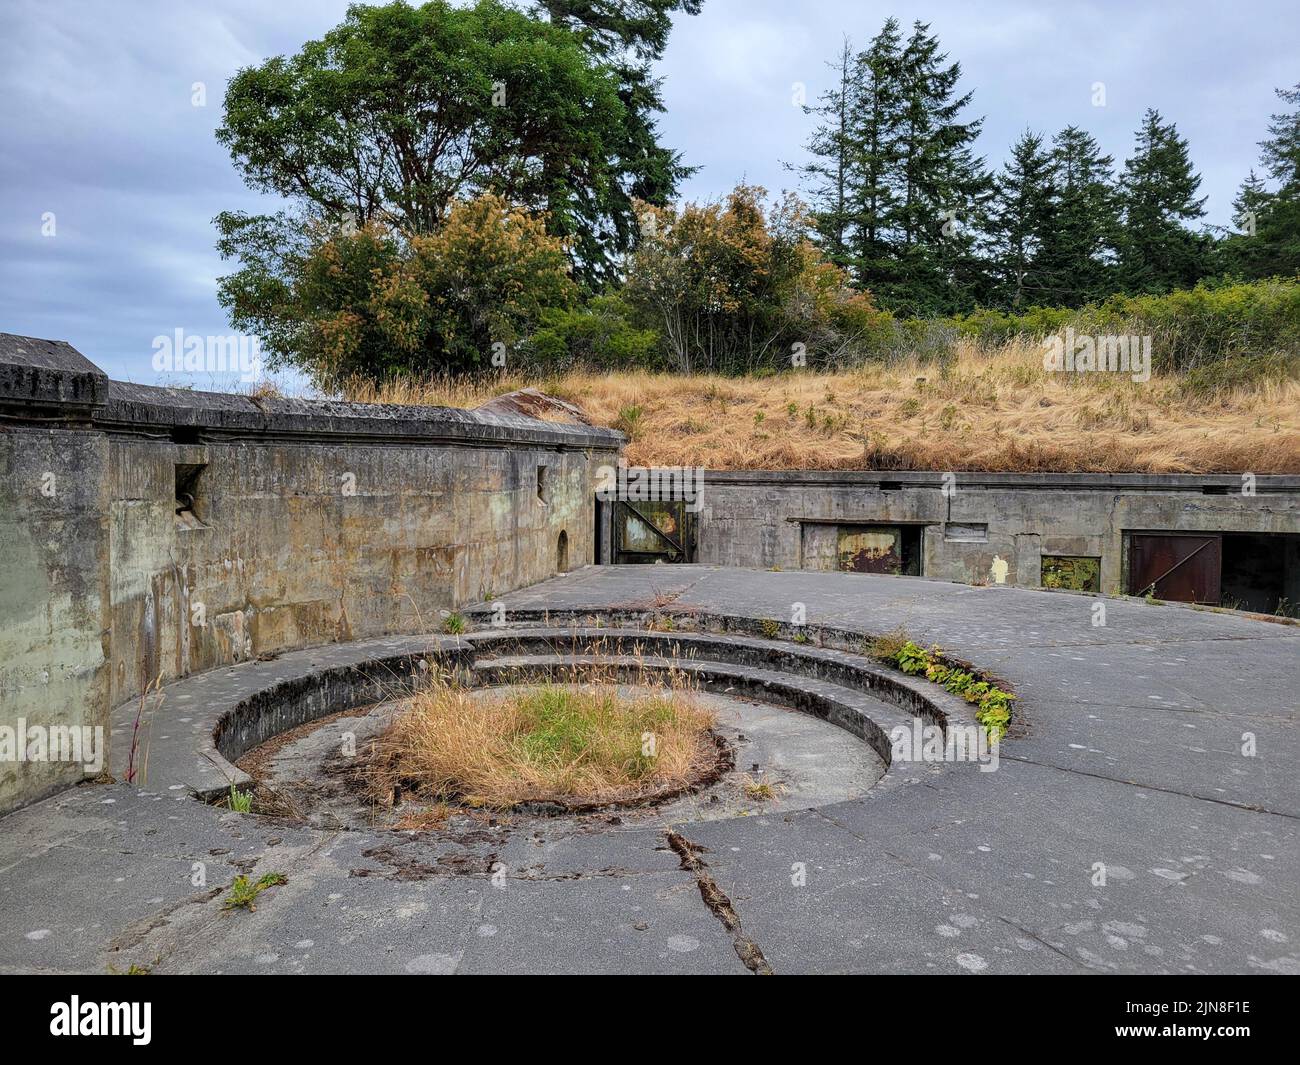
(1182, 567)
(1261, 572)
(562, 553)
(653, 531)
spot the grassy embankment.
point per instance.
(981, 409)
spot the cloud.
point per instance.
(98, 126)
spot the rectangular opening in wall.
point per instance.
(1075, 573)
(542, 487)
(188, 476)
(1261, 573)
(894, 549)
(653, 531)
(970, 532)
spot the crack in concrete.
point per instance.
(1250, 807)
(748, 951)
(133, 937)
(928, 875)
(1030, 933)
(527, 875)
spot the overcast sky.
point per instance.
(97, 127)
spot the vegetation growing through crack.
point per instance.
(240, 801)
(553, 743)
(992, 704)
(243, 892)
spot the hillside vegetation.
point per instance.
(979, 408)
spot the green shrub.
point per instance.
(1232, 333)
(992, 704)
(600, 335)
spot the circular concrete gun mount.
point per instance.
(230, 712)
(1142, 814)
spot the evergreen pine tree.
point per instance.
(1273, 248)
(873, 131)
(1158, 195)
(939, 188)
(1281, 154)
(1021, 222)
(1251, 201)
(1077, 258)
(828, 174)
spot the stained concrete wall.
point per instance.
(756, 519)
(310, 522)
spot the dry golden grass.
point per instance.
(572, 744)
(996, 412)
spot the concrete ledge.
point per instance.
(914, 696)
(144, 408)
(867, 718)
(237, 708)
(40, 379)
(44, 374)
(205, 721)
(1097, 482)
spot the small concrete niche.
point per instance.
(562, 552)
(543, 484)
(966, 532)
(188, 476)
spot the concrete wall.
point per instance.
(757, 519)
(310, 522)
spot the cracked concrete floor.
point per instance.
(806, 762)
(1126, 759)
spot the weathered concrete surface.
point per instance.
(1160, 694)
(949, 871)
(103, 876)
(806, 761)
(149, 533)
(302, 544)
(761, 518)
(54, 595)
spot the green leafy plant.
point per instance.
(454, 624)
(992, 704)
(912, 658)
(243, 892)
(769, 628)
(241, 801)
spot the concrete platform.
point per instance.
(1126, 760)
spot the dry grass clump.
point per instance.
(998, 411)
(576, 745)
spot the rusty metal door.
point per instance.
(871, 550)
(1185, 568)
(662, 531)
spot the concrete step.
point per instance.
(862, 715)
(914, 696)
